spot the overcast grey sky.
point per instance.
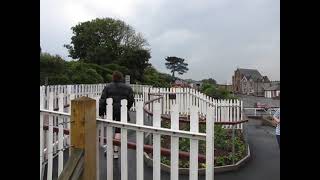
(214, 36)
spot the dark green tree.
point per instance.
(210, 81)
(82, 73)
(137, 60)
(52, 68)
(175, 64)
(103, 41)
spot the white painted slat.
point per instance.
(183, 102)
(98, 149)
(168, 101)
(200, 103)
(50, 140)
(210, 143)
(218, 110)
(124, 147)
(156, 142)
(174, 173)
(228, 112)
(60, 136)
(175, 100)
(223, 112)
(194, 148)
(198, 99)
(109, 141)
(139, 150)
(241, 110)
(191, 98)
(206, 105)
(188, 100)
(41, 129)
(162, 101)
(178, 101)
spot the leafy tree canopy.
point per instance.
(175, 64)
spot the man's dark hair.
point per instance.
(117, 76)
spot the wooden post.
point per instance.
(83, 133)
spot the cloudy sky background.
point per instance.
(214, 36)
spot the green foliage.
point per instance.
(217, 93)
(209, 81)
(116, 67)
(176, 64)
(184, 144)
(104, 72)
(156, 79)
(110, 41)
(103, 40)
(82, 73)
(165, 160)
(53, 68)
(222, 140)
(137, 60)
(220, 161)
(59, 79)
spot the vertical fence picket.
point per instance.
(194, 148)
(210, 143)
(156, 142)
(50, 140)
(124, 148)
(109, 140)
(60, 136)
(139, 150)
(174, 144)
(41, 129)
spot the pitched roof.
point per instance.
(251, 73)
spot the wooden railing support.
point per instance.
(83, 138)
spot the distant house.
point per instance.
(273, 91)
(249, 81)
(180, 83)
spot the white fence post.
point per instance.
(194, 148)
(139, 134)
(174, 143)
(99, 137)
(60, 136)
(124, 148)
(109, 140)
(210, 143)
(50, 140)
(168, 101)
(156, 142)
(41, 129)
(241, 110)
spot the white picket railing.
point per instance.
(55, 105)
(157, 131)
(53, 140)
(227, 110)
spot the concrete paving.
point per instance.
(249, 101)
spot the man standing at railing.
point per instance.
(117, 90)
(276, 118)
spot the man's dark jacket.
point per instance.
(117, 91)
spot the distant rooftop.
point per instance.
(273, 88)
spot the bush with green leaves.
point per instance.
(222, 141)
(217, 93)
(156, 79)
